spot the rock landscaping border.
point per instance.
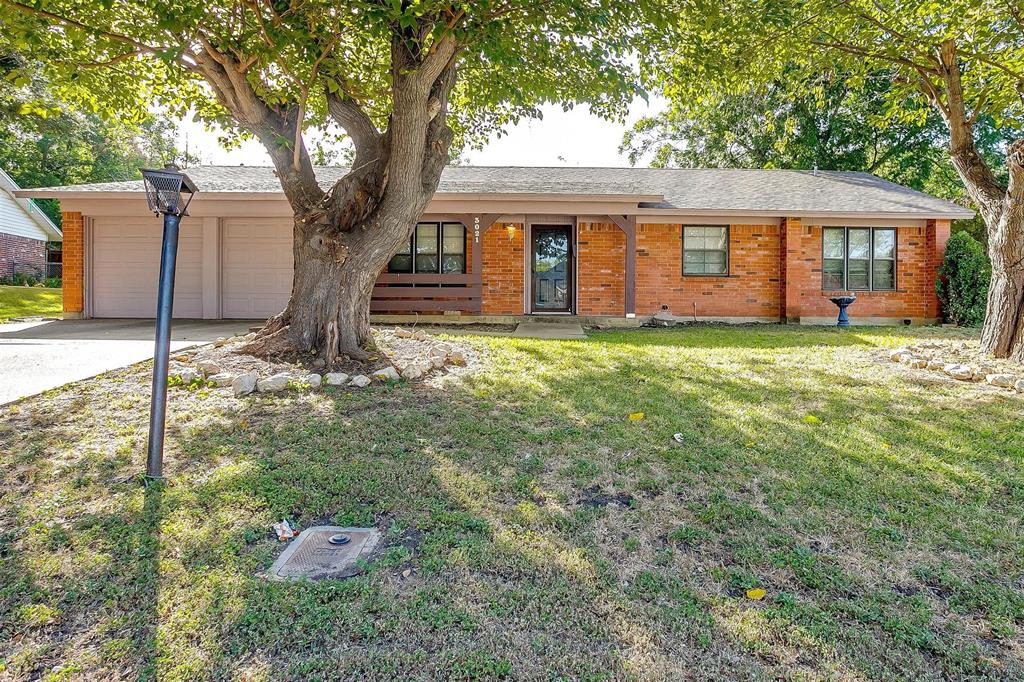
(930, 357)
(403, 355)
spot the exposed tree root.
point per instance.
(273, 342)
(357, 354)
(271, 346)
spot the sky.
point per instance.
(560, 138)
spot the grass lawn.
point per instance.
(29, 301)
(547, 536)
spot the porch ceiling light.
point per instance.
(168, 190)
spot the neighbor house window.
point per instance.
(705, 250)
(432, 248)
(858, 258)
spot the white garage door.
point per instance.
(125, 266)
(257, 266)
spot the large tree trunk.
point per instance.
(1003, 333)
(329, 309)
(344, 238)
(1002, 208)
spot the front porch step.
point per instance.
(549, 330)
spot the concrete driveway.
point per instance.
(38, 356)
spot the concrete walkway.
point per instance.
(38, 356)
(549, 330)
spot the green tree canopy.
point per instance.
(962, 60)
(833, 122)
(46, 140)
(827, 121)
(514, 55)
(402, 78)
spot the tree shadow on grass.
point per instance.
(494, 496)
(759, 336)
(82, 590)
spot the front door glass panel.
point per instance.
(552, 269)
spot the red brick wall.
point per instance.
(938, 235)
(504, 268)
(918, 254)
(600, 269)
(752, 288)
(21, 255)
(73, 258)
(801, 265)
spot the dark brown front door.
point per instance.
(551, 269)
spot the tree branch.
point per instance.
(438, 57)
(1015, 165)
(862, 52)
(276, 130)
(301, 115)
(439, 134)
(347, 113)
(980, 181)
(117, 37)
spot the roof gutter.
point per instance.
(962, 214)
(959, 214)
(56, 193)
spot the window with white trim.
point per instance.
(438, 248)
(858, 259)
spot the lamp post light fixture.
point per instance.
(168, 192)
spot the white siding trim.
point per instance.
(22, 218)
(14, 220)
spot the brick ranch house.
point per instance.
(24, 233)
(611, 245)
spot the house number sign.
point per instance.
(476, 229)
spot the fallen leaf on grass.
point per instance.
(811, 419)
(757, 594)
(636, 416)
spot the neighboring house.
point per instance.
(499, 243)
(24, 233)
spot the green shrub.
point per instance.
(963, 280)
(52, 283)
(20, 279)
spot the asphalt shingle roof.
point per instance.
(773, 192)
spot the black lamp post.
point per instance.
(168, 191)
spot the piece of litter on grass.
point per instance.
(636, 416)
(811, 419)
(757, 594)
(406, 573)
(284, 530)
(677, 437)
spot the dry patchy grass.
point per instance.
(548, 536)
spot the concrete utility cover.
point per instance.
(313, 557)
(549, 330)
